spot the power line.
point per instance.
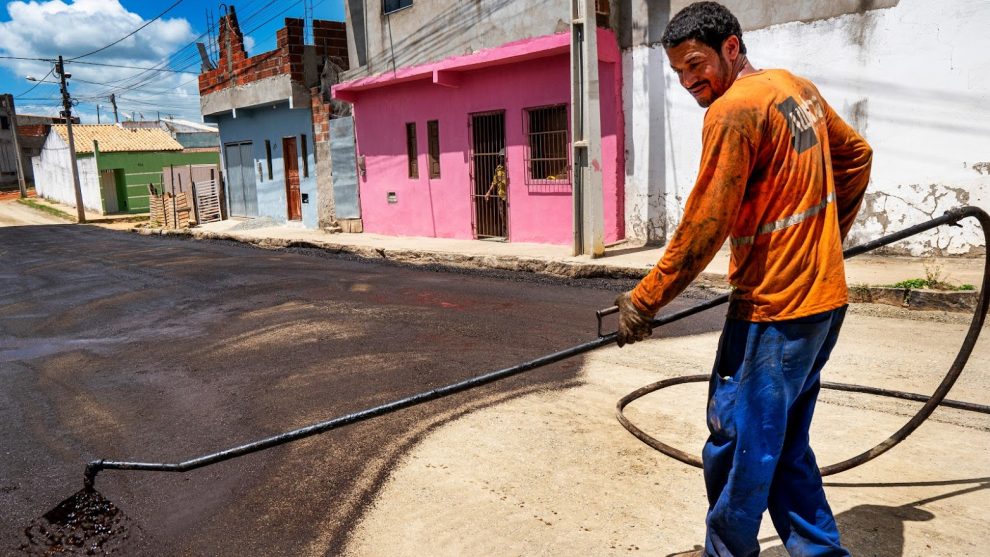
(40, 81)
(24, 58)
(138, 81)
(128, 67)
(156, 18)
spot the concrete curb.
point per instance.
(930, 300)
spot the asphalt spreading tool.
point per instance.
(938, 398)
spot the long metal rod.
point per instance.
(94, 467)
(951, 217)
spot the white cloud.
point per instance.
(46, 29)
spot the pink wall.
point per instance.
(442, 207)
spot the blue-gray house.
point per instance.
(263, 106)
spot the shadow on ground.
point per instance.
(878, 530)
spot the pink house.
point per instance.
(478, 146)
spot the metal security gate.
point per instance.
(344, 158)
(243, 195)
(489, 175)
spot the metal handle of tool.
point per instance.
(94, 467)
(601, 314)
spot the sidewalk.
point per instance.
(864, 273)
(92, 217)
(869, 276)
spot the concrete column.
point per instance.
(589, 217)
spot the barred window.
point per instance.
(433, 137)
(389, 6)
(411, 150)
(547, 153)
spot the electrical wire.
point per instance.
(131, 34)
(25, 58)
(128, 67)
(149, 75)
(40, 81)
(138, 81)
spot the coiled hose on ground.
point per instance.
(931, 402)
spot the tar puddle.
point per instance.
(84, 524)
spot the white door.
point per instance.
(108, 187)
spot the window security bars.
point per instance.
(548, 168)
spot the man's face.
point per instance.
(703, 71)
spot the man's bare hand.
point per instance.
(633, 324)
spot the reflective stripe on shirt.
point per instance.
(785, 222)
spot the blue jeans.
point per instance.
(761, 400)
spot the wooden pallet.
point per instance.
(169, 210)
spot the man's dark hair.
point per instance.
(708, 22)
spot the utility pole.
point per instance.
(589, 216)
(7, 103)
(67, 114)
(98, 114)
(113, 101)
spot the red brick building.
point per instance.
(273, 120)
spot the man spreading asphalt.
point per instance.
(782, 177)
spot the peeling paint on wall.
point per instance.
(885, 212)
(931, 148)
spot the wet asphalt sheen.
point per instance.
(127, 347)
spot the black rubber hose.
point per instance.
(931, 403)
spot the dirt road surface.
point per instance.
(554, 473)
(144, 348)
(119, 346)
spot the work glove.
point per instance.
(634, 325)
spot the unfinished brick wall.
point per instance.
(236, 68)
(330, 40)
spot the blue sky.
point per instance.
(48, 28)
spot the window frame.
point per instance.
(433, 148)
(558, 184)
(412, 151)
(304, 152)
(398, 8)
(268, 158)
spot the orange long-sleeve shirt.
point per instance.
(783, 177)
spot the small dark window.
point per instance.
(389, 6)
(305, 155)
(411, 150)
(268, 157)
(547, 149)
(433, 135)
(4, 123)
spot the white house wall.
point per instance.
(913, 78)
(53, 175)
